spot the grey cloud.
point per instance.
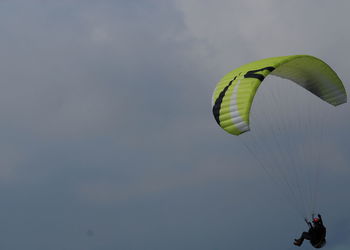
(106, 124)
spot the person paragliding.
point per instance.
(316, 234)
(232, 103)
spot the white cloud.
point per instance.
(235, 32)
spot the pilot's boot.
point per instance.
(298, 242)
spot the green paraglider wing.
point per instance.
(234, 93)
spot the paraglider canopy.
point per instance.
(234, 93)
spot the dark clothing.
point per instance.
(316, 234)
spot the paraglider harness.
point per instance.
(316, 234)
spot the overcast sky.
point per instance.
(107, 137)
